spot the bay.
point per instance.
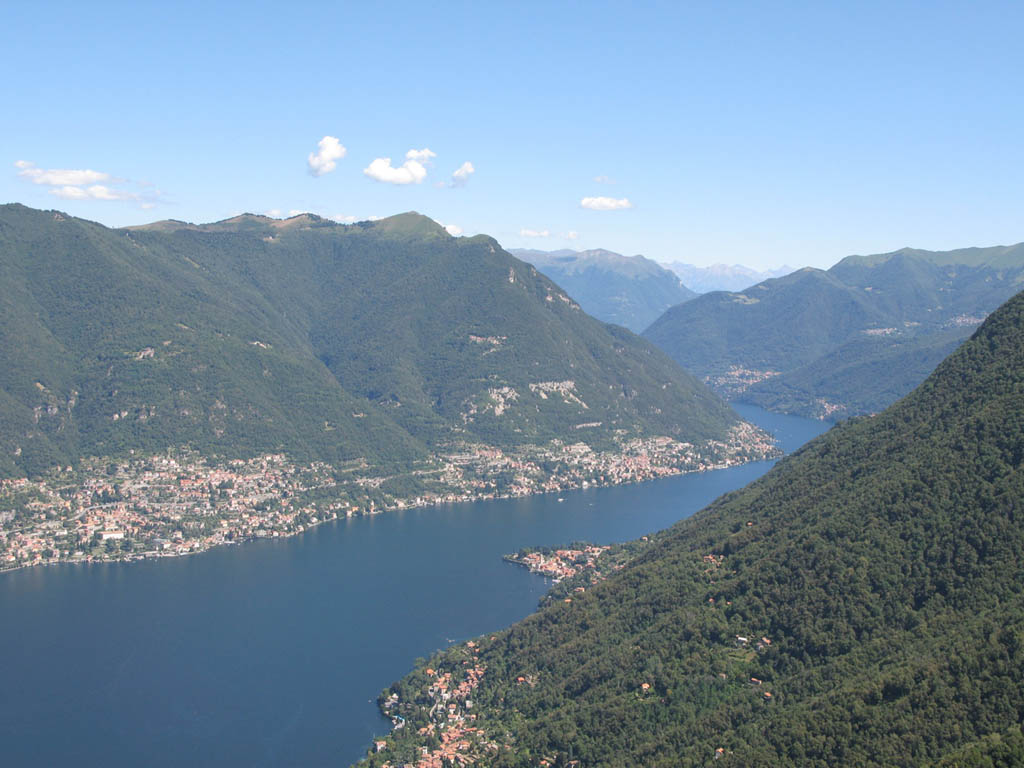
(272, 653)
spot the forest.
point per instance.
(861, 604)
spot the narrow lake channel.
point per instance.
(272, 653)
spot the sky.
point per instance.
(759, 133)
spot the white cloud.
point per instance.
(83, 184)
(100, 192)
(324, 160)
(462, 174)
(420, 155)
(341, 218)
(409, 172)
(572, 235)
(534, 233)
(94, 192)
(59, 177)
(603, 180)
(274, 213)
(605, 203)
(70, 193)
(453, 229)
(296, 212)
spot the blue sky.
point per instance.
(754, 133)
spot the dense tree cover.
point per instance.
(856, 337)
(630, 291)
(382, 340)
(861, 604)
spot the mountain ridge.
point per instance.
(778, 344)
(382, 340)
(626, 290)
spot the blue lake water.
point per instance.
(272, 653)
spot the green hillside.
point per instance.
(861, 604)
(630, 291)
(847, 341)
(380, 340)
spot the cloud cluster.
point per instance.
(534, 233)
(603, 180)
(605, 203)
(410, 172)
(59, 177)
(452, 229)
(83, 184)
(325, 159)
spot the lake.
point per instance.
(272, 653)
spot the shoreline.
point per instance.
(197, 547)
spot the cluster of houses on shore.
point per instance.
(176, 504)
(158, 506)
(559, 564)
(485, 472)
(451, 736)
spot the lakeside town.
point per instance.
(180, 502)
(575, 568)
(451, 735)
(558, 564)
(435, 722)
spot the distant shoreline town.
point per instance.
(182, 503)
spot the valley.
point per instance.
(841, 342)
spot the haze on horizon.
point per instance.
(777, 134)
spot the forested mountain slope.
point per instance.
(841, 342)
(379, 341)
(861, 604)
(630, 291)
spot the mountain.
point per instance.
(630, 291)
(723, 277)
(846, 341)
(383, 341)
(861, 604)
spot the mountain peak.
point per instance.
(408, 224)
